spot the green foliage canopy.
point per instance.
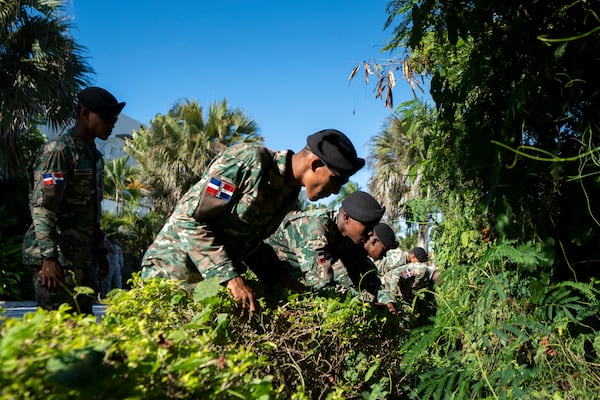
(41, 70)
(517, 91)
(174, 149)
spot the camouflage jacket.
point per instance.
(240, 199)
(66, 190)
(393, 259)
(313, 249)
(403, 279)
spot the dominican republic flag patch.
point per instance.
(53, 178)
(408, 273)
(219, 189)
(323, 256)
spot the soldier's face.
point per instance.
(375, 248)
(323, 182)
(355, 230)
(102, 124)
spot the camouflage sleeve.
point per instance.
(385, 295)
(225, 183)
(49, 183)
(101, 235)
(390, 283)
(314, 255)
(315, 260)
(222, 185)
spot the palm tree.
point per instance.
(348, 188)
(41, 70)
(174, 149)
(120, 181)
(397, 157)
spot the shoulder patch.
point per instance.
(219, 189)
(53, 178)
(323, 256)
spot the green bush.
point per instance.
(159, 341)
(503, 330)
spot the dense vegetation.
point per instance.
(506, 164)
(160, 341)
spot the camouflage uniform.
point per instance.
(240, 200)
(403, 278)
(313, 250)
(67, 179)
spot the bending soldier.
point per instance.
(240, 200)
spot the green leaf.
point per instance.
(206, 290)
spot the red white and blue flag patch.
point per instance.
(53, 178)
(323, 256)
(219, 189)
(408, 273)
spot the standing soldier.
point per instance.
(240, 200)
(65, 246)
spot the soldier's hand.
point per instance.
(102, 267)
(242, 293)
(52, 273)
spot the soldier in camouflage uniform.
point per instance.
(404, 273)
(240, 200)
(65, 246)
(382, 240)
(324, 248)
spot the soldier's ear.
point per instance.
(346, 218)
(84, 112)
(316, 163)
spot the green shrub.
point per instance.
(503, 332)
(159, 341)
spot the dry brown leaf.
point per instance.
(391, 79)
(354, 71)
(379, 88)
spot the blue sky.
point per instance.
(285, 63)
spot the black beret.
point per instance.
(336, 151)
(386, 235)
(98, 99)
(420, 253)
(363, 207)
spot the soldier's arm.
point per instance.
(49, 184)
(316, 260)
(219, 190)
(390, 282)
(222, 185)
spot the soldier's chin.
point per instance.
(314, 196)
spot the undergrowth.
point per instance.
(501, 329)
(159, 341)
